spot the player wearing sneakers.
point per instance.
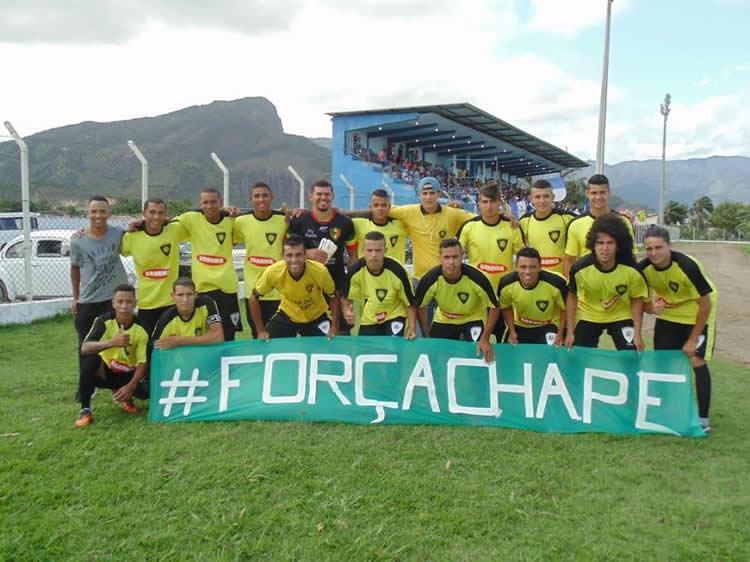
(114, 356)
(606, 290)
(684, 302)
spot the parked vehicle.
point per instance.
(50, 262)
(11, 225)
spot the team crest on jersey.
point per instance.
(442, 234)
(165, 249)
(221, 236)
(542, 305)
(502, 243)
(621, 289)
(309, 287)
(554, 235)
(335, 233)
(674, 286)
(270, 237)
(393, 239)
(463, 297)
(381, 293)
(198, 331)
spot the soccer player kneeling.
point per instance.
(462, 293)
(685, 305)
(606, 290)
(114, 356)
(384, 286)
(305, 287)
(532, 301)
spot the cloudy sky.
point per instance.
(534, 63)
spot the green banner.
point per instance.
(426, 381)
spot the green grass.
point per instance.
(126, 489)
(745, 248)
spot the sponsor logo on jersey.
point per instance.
(393, 240)
(442, 234)
(165, 249)
(533, 321)
(554, 235)
(542, 305)
(211, 260)
(270, 237)
(491, 267)
(335, 233)
(674, 286)
(621, 289)
(381, 293)
(463, 296)
(221, 236)
(261, 261)
(550, 262)
(380, 316)
(502, 243)
(158, 273)
(118, 367)
(452, 315)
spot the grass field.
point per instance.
(126, 489)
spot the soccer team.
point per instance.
(315, 273)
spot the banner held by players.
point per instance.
(394, 381)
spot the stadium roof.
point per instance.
(462, 129)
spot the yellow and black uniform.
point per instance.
(490, 247)
(548, 236)
(536, 310)
(395, 236)
(604, 301)
(205, 313)
(113, 367)
(212, 266)
(579, 228)
(386, 294)
(304, 301)
(461, 305)
(264, 246)
(427, 230)
(157, 262)
(681, 285)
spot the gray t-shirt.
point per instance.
(100, 264)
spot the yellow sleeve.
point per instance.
(184, 221)
(640, 288)
(143, 344)
(126, 247)
(463, 239)
(326, 282)
(571, 245)
(460, 216)
(517, 239)
(238, 235)
(506, 297)
(355, 288)
(264, 284)
(400, 213)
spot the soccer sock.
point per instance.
(703, 389)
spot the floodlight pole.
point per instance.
(603, 98)
(390, 191)
(301, 186)
(144, 171)
(664, 110)
(225, 172)
(351, 189)
(25, 207)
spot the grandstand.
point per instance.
(460, 144)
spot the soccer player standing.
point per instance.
(606, 290)
(378, 221)
(685, 305)
(384, 286)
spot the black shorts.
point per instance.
(229, 309)
(587, 333)
(392, 327)
(672, 335)
(281, 326)
(150, 316)
(107, 378)
(471, 331)
(538, 334)
(267, 310)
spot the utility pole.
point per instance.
(603, 98)
(664, 110)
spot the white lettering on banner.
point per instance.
(332, 380)
(453, 406)
(421, 375)
(589, 395)
(554, 385)
(527, 389)
(359, 383)
(189, 399)
(226, 382)
(644, 400)
(301, 360)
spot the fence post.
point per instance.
(25, 207)
(351, 189)
(225, 173)
(144, 171)
(301, 186)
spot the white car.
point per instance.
(50, 262)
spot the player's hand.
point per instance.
(558, 340)
(569, 340)
(331, 333)
(658, 306)
(455, 204)
(411, 334)
(74, 307)
(484, 347)
(512, 218)
(297, 213)
(78, 234)
(638, 343)
(135, 226)
(124, 392)
(170, 342)
(121, 339)
(513, 338)
(317, 254)
(232, 211)
(349, 315)
(689, 348)
(263, 335)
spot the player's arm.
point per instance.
(571, 250)
(484, 347)
(423, 295)
(568, 264)
(411, 322)
(423, 321)
(126, 392)
(75, 281)
(701, 318)
(94, 344)
(510, 324)
(571, 305)
(256, 317)
(334, 306)
(214, 334)
(560, 338)
(347, 309)
(636, 311)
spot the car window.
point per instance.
(15, 251)
(49, 248)
(9, 223)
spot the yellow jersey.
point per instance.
(578, 229)
(395, 236)
(303, 300)
(539, 305)
(386, 295)
(427, 230)
(264, 245)
(490, 247)
(211, 248)
(170, 323)
(548, 236)
(120, 360)
(458, 302)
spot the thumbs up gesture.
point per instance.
(121, 339)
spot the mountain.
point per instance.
(719, 177)
(73, 162)
(325, 142)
